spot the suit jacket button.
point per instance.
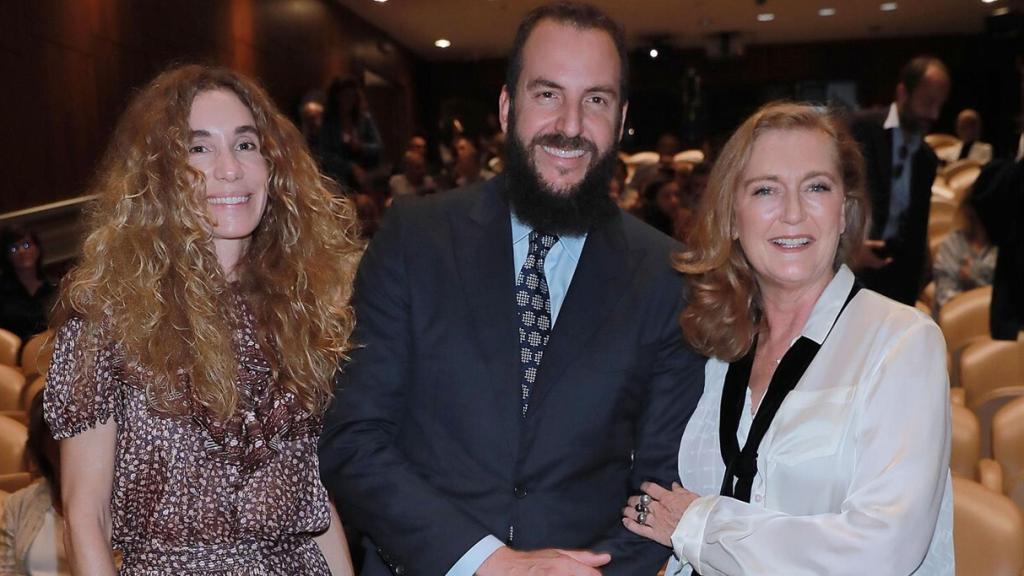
(519, 491)
(399, 570)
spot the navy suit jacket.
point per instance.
(902, 279)
(424, 446)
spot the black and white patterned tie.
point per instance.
(533, 305)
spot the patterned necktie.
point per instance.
(533, 306)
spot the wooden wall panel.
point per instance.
(70, 67)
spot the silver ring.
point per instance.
(641, 507)
(641, 517)
(645, 499)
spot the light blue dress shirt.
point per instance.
(899, 192)
(559, 267)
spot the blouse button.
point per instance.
(758, 498)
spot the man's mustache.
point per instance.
(555, 140)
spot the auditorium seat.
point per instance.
(940, 140)
(966, 443)
(12, 382)
(988, 531)
(12, 445)
(30, 391)
(987, 364)
(963, 318)
(1008, 448)
(9, 346)
(694, 156)
(941, 209)
(13, 482)
(960, 175)
(35, 358)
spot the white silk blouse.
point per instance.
(853, 473)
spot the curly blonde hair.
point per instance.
(724, 309)
(149, 278)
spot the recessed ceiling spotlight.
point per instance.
(827, 12)
(988, 1)
(380, 1)
(765, 17)
(442, 42)
(653, 52)
(888, 6)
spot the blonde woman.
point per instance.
(821, 443)
(198, 336)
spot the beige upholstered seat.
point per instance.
(960, 175)
(966, 443)
(9, 346)
(17, 415)
(987, 364)
(986, 408)
(942, 192)
(12, 446)
(35, 358)
(940, 140)
(29, 393)
(693, 156)
(12, 382)
(16, 481)
(938, 228)
(965, 316)
(1008, 447)
(927, 294)
(988, 531)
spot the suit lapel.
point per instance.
(596, 285)
(483, 254)
(883, 194)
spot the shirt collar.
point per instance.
(893, 119)
(828, 306)
(573, 245)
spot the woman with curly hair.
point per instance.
(821, 443)
(197, 341)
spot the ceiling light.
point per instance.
(654, 52)
(827, 12)
(380, 1)
(442, 43)
(888, 6)
(1001, 11)
(765, 17)
(988, 1)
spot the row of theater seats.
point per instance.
(987, 460)
(988, 431)
(22, 377)
(952, 186)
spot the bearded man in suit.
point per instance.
(521, 369)
(900, 171)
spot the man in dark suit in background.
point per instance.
(521, 370)
(900, 172)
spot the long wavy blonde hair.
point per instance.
(724, 309)
(149, 278)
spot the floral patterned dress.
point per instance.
(191, 495)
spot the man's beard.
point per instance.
(573, 211)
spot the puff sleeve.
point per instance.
(81, 383)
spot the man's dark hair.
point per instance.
(575, 14)
(914, 71)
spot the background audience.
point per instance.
(25, 293)
(32, 533)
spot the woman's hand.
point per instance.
(663, 508)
